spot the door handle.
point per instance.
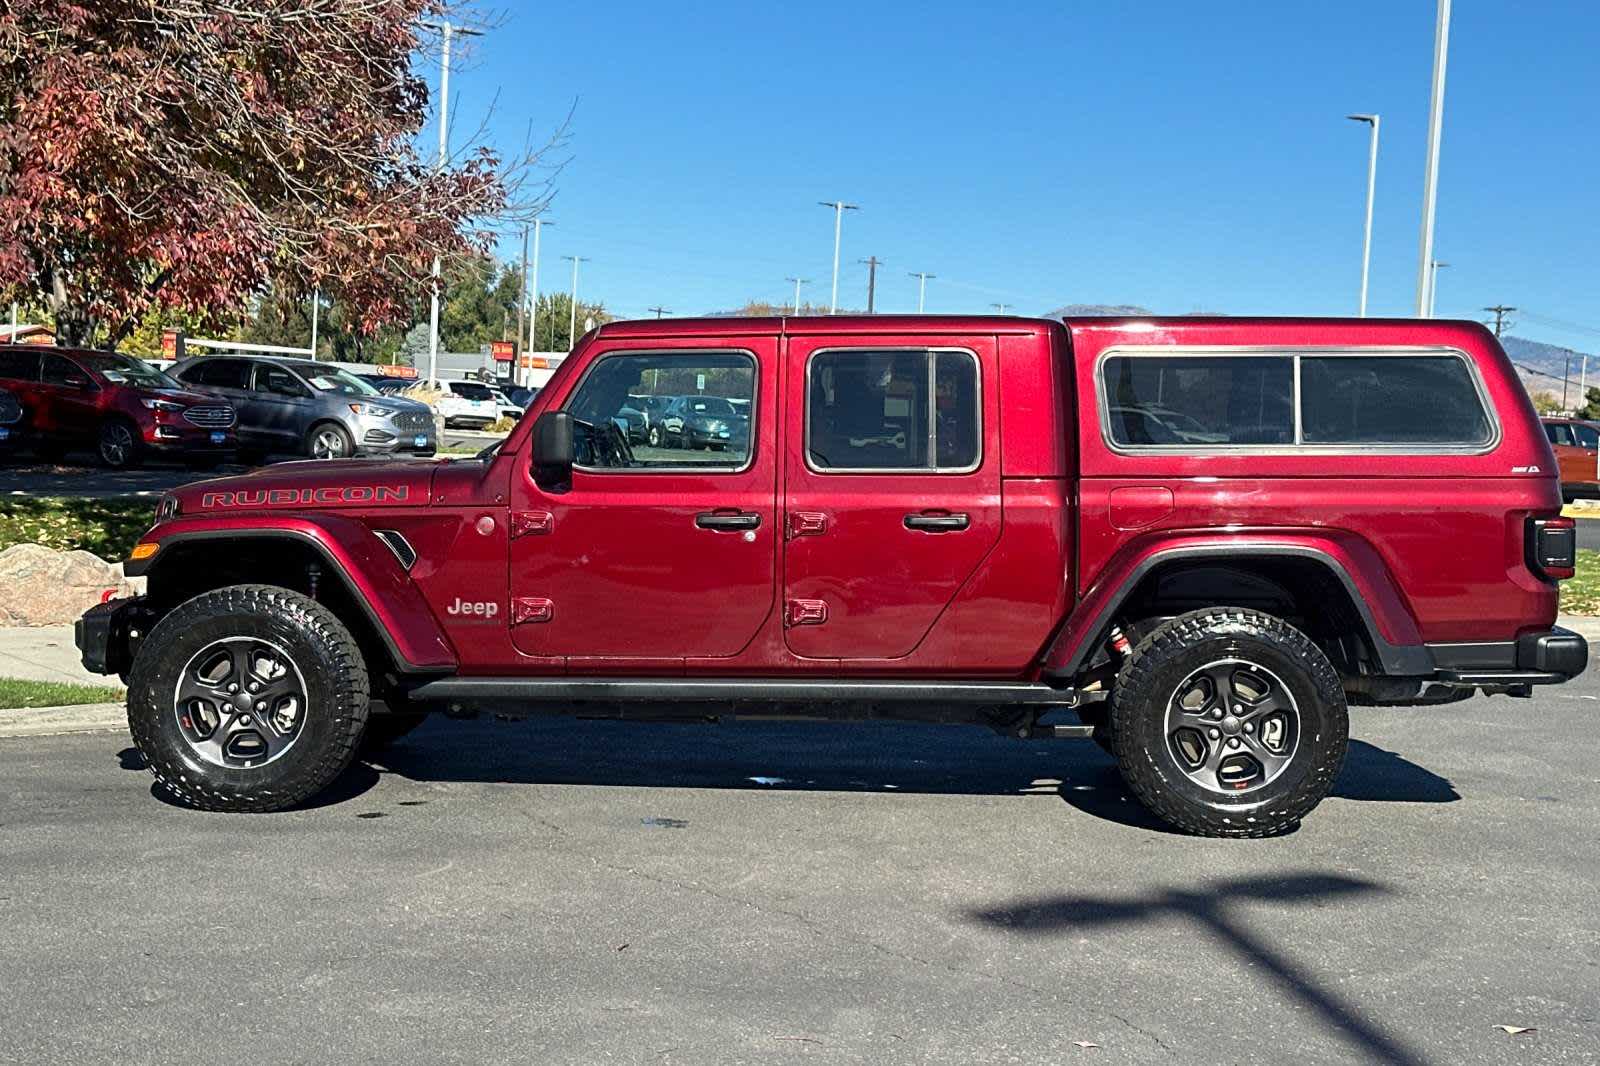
(938, 523)
(727, 520)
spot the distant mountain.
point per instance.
(1100, 311)
(1541, 366)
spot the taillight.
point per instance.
(1552, 545)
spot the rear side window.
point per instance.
(885, 410)
(219, 374)
(59, 371)
(1588, 437)
(1200, 400)
(1390, 399)
(19, 364)
(1363, 398)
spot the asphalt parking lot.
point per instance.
(560, 891)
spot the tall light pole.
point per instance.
(922, 287)
(572, 325)
(1430, 180)
(1433, 283)
(1372, 184)
(447, 30)
(1000, 309)
(533, 318)
(316, 305)
(797, 283)
(839, 208)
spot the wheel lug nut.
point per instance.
(233, 688)
(244, 719)
(1217, 713)
(1214, 733)
(1233, 742)
(261, 705)
(1238, 710)
(255, 686)
(1249, 727)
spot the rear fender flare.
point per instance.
(365, 565)
(1389, 625)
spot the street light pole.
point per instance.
(316, 305)
(533, 316)
(1430, 180)
(1433, 284)
(1372, 184)
(839, 208)
(922, 287)
(444, 147)
(572, 325)
(797, 283)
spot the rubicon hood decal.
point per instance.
(324, 495)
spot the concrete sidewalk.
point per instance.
(44, 653)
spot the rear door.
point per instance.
(281, 406)
(655, 554)
(68, 397)
(891, 488)
(1570, 459)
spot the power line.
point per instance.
(659, 311)
(873, 263)
(1500, 311)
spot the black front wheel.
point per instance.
(118, 444)
(1228, 722)
(248, 698)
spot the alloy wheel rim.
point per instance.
(1232, 726)
(328, 445)
(115, 444)
(240, 702)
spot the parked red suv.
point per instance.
(1577, 447)
(1196, 540)
(120, 406)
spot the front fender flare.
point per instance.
(1389, 626)
(369, 570)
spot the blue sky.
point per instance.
(1179, 155)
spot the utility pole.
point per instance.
(444, 137)
(1372, 184)
(1000, 309)
(659, 311)
(572, 325)
(522, 303)
(922, 287)
(797, 283)
(839, 208)
(1433, 284)
(1566, 373)
(533, 314)
(873, 262)
(316, 304)
(1500, 311)
(1430, 180)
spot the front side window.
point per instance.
(1588, 437)
(276, 381)
(59, 371)
(880, 410)
(1202, 400)
(702, 406)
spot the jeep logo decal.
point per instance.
(482, 609)
(293, 497)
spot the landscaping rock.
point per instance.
(40, 586)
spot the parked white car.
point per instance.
(465, 404)
(509, 408)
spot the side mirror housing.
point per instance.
(553, 450)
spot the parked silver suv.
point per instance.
(299, 407)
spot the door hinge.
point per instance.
(805, 613)
(807, 524)
(531, 523)
(529, 609)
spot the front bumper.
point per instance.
(171, 437)
(385, 436)
(108, 634)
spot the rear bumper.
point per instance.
(1544, 657)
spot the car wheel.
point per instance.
(118, 444)
(328, 440)
(248, 698)
(1228, 723)
(384, 729)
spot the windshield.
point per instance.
(330, 379)
(125, 370)
(471, 390)
(715, 406)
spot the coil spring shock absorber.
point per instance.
(1120, 644)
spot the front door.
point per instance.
(281, 407)
(891, 488)
(657, 552)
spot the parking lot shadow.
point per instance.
(846, 757)
(1219, 911)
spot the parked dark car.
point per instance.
(120, 406)
(300, 407)
(703, 422)
(13, 423)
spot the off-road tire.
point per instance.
(384, 729)
(1148, 681)
(336, 698)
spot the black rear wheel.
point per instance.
(248, 698)
(1228, 722)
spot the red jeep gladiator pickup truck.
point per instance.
(1195, 540)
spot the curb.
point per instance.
(1575, 511)
(51, 721)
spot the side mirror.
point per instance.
(553, 450)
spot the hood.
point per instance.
(313, 485)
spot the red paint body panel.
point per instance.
(1058, 520)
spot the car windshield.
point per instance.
(471, 390)
(125, 370)
(331, 379)
(715, 406)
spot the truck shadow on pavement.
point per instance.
(1217, 910)
(845, 757)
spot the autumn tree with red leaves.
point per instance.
(182, 154)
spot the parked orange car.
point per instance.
(1577, 447)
